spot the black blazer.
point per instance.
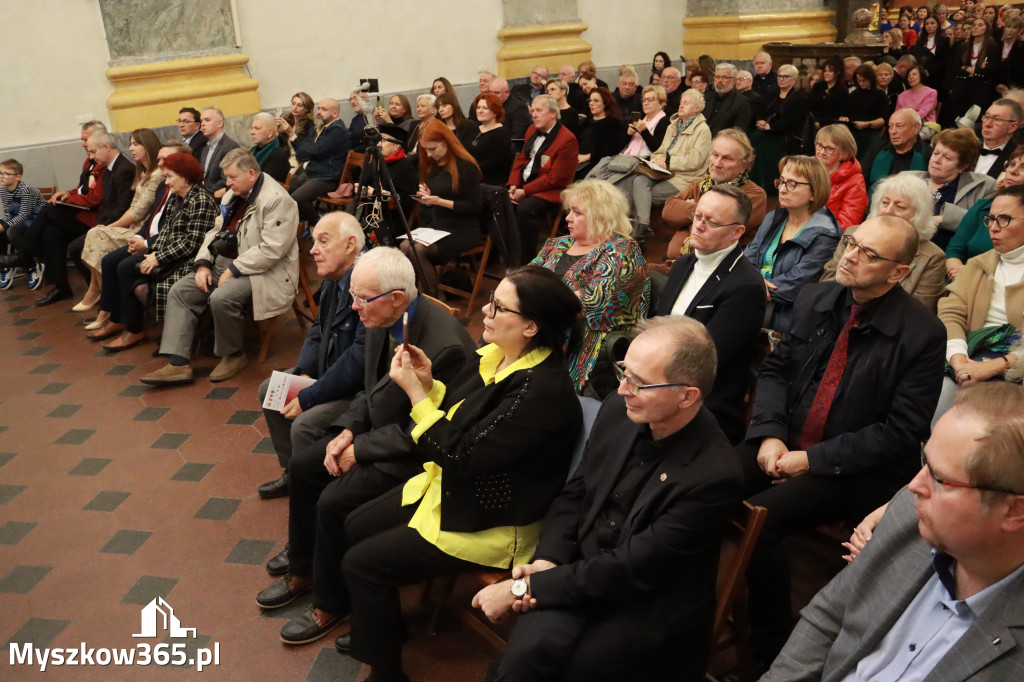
(379, 414)
(731, 305)
(278, 165)
(197, 143)
(660, 578)
(214, 175)
(117, 190)
(731, 110)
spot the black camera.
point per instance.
(224, 243)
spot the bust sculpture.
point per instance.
(860, 35)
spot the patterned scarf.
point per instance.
(706, 182)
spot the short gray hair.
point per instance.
(394, 270)
(102, 138)
(427, 96)
(914, 190)
(733, 71)
(694, 359)
(220, 114)
(242, 159)
(345, 224)
(265, 118)
(1015, 107)
(696, 99)
(94, 126)
(552, 104)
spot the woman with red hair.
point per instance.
(450, 186)
(492, 148)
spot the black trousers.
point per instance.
(27, 241)
(318, 506)
(119, 282)
(385, 554)
(533, 219)
(59, 229)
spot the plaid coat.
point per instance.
(177, 242)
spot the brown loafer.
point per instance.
(228, 367)
(125, 341)
(106, 331)
(283, 591)
(169, 375)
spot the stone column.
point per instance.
(736, 29)
(540, 32)
(166, 53)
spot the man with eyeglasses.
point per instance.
(671, 79)
(998, 125)
(538, 80)
(625, 567)
(745, 86)
(723, 106)
(367, 450)
(842, 405)
(189, 128)
(938, 590)
(716, 285)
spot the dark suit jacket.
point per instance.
(848, 619)
(215, 176)
(731, 305)
(731, 110)
(555, 165)
(379, 414)
(517, 117)
(661, 576)
(117, 190)
(882, 410)
(758, 107)
(197, 143)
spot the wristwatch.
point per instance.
(519, 588)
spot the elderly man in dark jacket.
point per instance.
(332, 352)
(725, 107)
(323, 150)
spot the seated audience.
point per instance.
(322, 151)
(903, 151)
(972, 236)
(832, 436)
(442, 86)
(683, 153)
(918, 96)
(426, 109)
(535, 86)
(955, 187)
(724, 106)
(188, 128)
(795, 240)
(517, 114)
(299, 120)
(404, 175)
(251, 254)
(626, 564)
(717, 286)
(567, 114)
(998, 126)
(645, 135)
(218, 144)
(157, 257)
(983, 312)
(398, 111)
(104, 238)
(367, 450)
(357, 126)
(658, 64)
(576, 97)
(890, 86)
(729, 162)
(449, 112)
(835, 147)
(866, 109)
(450, 186)
(19, 206)
(511, 414)
(953, 537)
(626, 95)
(332, 352)
(492, 146)
(827, 101)
(744, 86)
(671, 79)
(906, 196)
(605, 268)
(540, 172)
(603, 134)
(270, 148)
(698, 80)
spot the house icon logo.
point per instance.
(152, 614)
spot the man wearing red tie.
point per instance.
(842, 407)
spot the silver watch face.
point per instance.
(518, 588)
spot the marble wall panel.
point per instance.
(151, 30)
(709, 8)
(539, 12)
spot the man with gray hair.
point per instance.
(904, 150)
(538, 79)
(322, 151)
(744, 86)
(671, 79)
(218, 144)
(517, 115)
(724, 107)
(626, 564)
(368, 449)
(251, 254)
(998, 126)
(627, 94)
(766, 79)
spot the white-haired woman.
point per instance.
(907, 196)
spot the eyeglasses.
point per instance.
(185, 120)
(6, 174)
(959, 484)
(633, 385)
(864, 254)
(695, 217)
(363, 301)
(791, 185)
(987, 118)
(724, 78)
(1012, 165)
(824, 148)
(1002, 220)
(495, 308)
(783, 77)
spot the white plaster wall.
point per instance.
(631, 32)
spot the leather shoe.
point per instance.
(276, 488)
(54, 296)
(105, 332)
(343, 644)
(310, 625)
(169, 375)
(283, 591)
(228, 367)
(278, 565)
(125, 341)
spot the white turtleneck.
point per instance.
(1009, 272)
(702, 270)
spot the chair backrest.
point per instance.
(441, 304)
(737, 547)
(353, 162)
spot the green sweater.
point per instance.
(972, 237)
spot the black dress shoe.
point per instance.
(54, 296)
(305, 628)
(278, 565)
(281, 593)
(344, 644)
(276, 488)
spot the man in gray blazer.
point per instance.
(218, 144)
(938, 591)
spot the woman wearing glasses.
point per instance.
(604, 267)
(795, 240)
(906, 196)
(835, 147)
(972, 237)
(496, 444)
(984, 310)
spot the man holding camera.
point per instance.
(251, 254)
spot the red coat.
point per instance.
(557, 159)
(848, 199)
(91, 196)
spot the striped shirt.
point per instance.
(19, 206)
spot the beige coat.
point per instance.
(970, 295)
(688, 159)
(268, 250)
(926, 278)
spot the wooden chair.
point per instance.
(468, 263)
(304, 315)
(450, 310)
(731, 625)
(353, 162)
